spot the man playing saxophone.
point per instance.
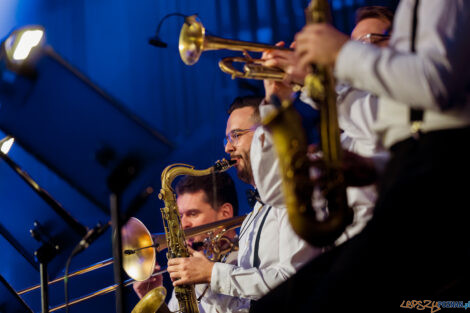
(199, 205)
(270, 252)
(357, 111)
(422, 80)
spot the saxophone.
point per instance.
(291, 145)
(171, 219)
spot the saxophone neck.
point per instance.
(174, 170)
(318, 11)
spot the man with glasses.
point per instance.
(269, 250)
(415, 248)
(357, 111)
(373, 25)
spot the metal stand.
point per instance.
(44, 288)
(117, 182)
(44, 255)
(114, 200)
(49, 249)
(54, 204)
(100, 157)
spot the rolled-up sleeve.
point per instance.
(397, 73)
(281, 252)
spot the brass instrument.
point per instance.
(216, 244)
(193, 41)
(135, 229)
(171, 221)
(291, 145)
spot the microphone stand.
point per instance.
(48, 250)
(117, 182)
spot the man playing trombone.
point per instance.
(199, 205)
(270, 252)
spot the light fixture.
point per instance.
(6, 143)
(22, 44)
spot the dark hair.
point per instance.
(375, 11)
(220, 183)
(247, 101)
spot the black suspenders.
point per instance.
(256, 260)
(416, 115)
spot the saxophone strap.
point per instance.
(256, 260)
(416, 115)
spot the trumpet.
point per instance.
(193, 41)
(139, 253)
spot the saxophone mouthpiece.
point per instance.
(223, 165)
(232, 162)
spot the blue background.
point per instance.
(107, 40)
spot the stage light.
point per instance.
(6, 143)
(21, 44)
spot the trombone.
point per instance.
(193, 41)
(139, 259)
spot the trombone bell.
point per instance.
(139, 265)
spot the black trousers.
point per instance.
(416, 246)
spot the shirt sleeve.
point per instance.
(438, 69)
(173, 304)
(253, 283)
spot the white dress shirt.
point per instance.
(436, 79)
(281, 253)
(209, 301)
(356, 115)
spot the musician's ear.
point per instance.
(225, 211)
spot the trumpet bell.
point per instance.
(191, 41)
(151, 302)
(140, 265)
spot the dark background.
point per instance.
(107, 40)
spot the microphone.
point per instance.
(130, 251)
(99, 229)
(90, 237)
(155, 40)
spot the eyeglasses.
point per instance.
(234, 135)
(373, 38)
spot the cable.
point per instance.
(66, 278)
(155, 40)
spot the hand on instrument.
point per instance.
(142, 287)
(193, 270)
(280, 59)
(317, 44)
